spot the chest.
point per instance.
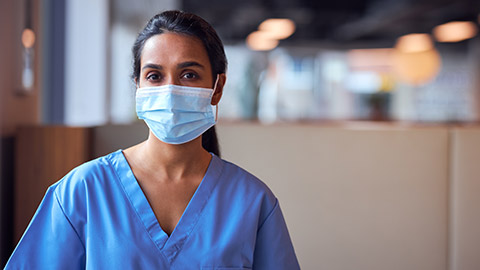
(169, 200)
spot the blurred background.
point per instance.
(378, 88)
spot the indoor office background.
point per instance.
(361, 115)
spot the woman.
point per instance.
(166, 203)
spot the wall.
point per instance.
(465, 200)
(15, 109)
(354, 197)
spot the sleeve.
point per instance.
(50, 241)
(273, 248)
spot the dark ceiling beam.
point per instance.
(336, 21)
(405, 17)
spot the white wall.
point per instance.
(86, 69)
(122, 88)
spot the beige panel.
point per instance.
(465, 200)
(373, 198)
(109, 138)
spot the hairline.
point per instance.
(166, 31)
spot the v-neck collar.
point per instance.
(169, 246)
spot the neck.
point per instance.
(174, 162)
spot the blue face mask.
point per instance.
(176, 114)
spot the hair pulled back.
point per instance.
(175, 21)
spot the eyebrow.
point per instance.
(190, 64)
(152, 66)
(181, 65)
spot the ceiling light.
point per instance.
(278, 28)
(455, 31)
(412, 43)
(417, 68)
(261, 41)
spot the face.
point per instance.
(177, 59)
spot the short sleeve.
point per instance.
(273, 248)
(50, 241)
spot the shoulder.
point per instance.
(245, 185)
(90, 174)
(240, 176)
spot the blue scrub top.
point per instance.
(97, 217)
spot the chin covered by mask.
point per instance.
(176, 114)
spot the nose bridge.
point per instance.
(170, 78)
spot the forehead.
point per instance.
(171, 48)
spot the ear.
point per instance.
(136, 82)
(217, 95)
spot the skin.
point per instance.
(170, 174)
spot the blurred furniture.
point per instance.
(370, 196)
(355, 196)
(464, 207)
(44, 154)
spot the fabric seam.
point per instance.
(68, 219)
(269, 214)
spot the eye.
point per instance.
(189, 75)
(153, 76)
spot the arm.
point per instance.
(273, 248)
(50, 241)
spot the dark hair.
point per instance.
(180, 22)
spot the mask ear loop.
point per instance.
(214, 90)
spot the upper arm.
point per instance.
(50, 241)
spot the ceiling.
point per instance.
(372, 22)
